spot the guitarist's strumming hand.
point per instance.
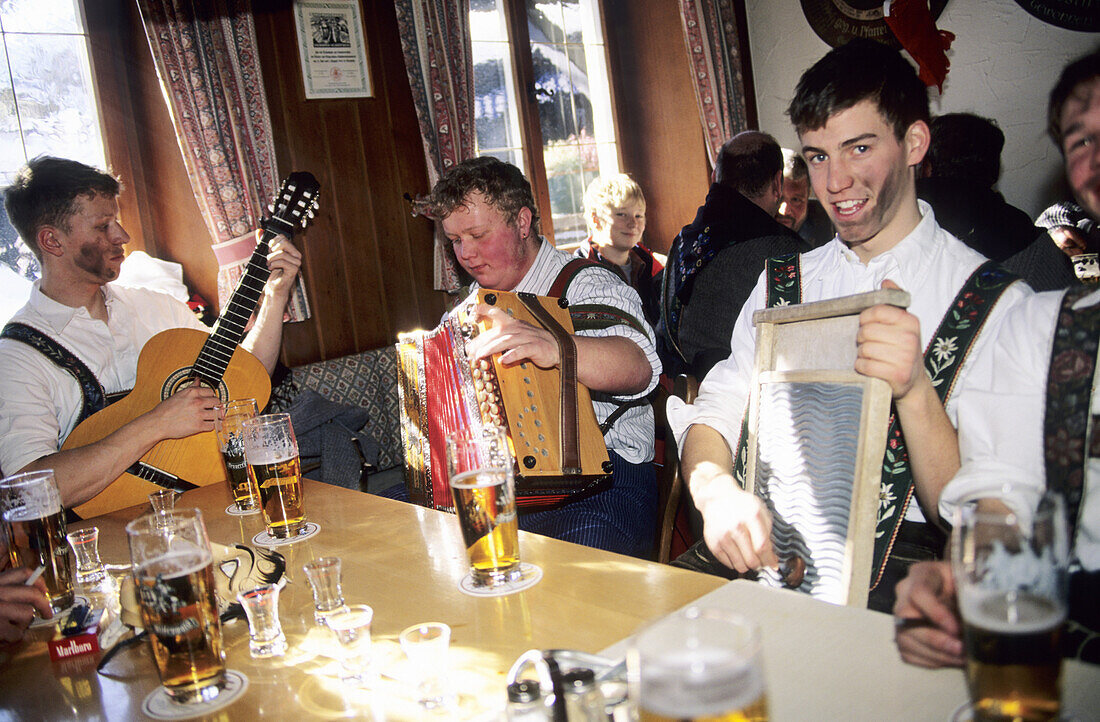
(188, 411)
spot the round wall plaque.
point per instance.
(838, 21)
(1083, 15)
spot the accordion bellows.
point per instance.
(442, 390)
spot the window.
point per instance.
(47, 100)
(555, 97)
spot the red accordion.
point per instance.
(556, 442)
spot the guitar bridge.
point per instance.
(161, 478)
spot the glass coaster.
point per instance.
(58, 616)
(308, 531)
(159, 705)
(232, 510)
(529, 576)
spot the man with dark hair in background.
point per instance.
(714, 262)
(862, 116)
(957, 179)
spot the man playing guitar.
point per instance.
(67, 213)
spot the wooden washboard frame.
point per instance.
(803, 385)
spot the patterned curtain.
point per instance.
(714, 50)
(435, 37)
(206, 55)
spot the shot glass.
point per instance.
(163, 502)
(265, 633)
(352, 629)
(328, 597)
(426, 645)
(85, 544)
(229, 427)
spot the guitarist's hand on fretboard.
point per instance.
(284, 260)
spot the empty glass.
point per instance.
(265, 633)
(426, 645)
(324, 578)
(352, 629)
(85, 543)
(163, 502)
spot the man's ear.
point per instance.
(777, 184)
(523, 222)
(596, 220)
(917, 139)
(48, 241)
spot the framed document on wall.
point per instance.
(332, 49)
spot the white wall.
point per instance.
(1003, 65)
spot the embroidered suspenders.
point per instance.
(1070, 434)
(943, 358)
(94, 398)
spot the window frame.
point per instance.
(515, 14)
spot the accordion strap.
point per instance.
(570, 420)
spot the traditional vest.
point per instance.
(943, 358)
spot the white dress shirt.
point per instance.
(39, 401)
(929, 263)
(1001, 410)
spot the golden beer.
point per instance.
(179, 612)
(40, 541)
(1013, 664)
(486, 508)
(281, 499)
(729, 688)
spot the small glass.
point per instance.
(265, 633)
(163, 501)
(352, 629)
(328, 596)
(479, 468)
(426, 645)
(34, 526)
(700, 662)
(85, 543)
(229, 426)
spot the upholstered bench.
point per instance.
(367, 379)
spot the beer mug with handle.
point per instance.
(271, 451)
(482, 482)
(1011, 572)
(173, 570)
(34, 527)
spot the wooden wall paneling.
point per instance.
(368, 263)
(662, 142)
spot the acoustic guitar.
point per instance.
(173, 359)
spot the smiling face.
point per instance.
(1080, 124)
(91, 248)
(495, 253)
(862, 174)
(621, 228)
(793, 203)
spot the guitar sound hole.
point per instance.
(183, 378)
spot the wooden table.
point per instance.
(821, 661)
(406, 563)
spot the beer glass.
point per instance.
(479, 468)
(699, 663)
(228, 425)
(1011, 572)
(173, 570)
(273, 464)
(34, 524)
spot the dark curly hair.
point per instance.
(502, 184)
(860, 70)
(45, 191)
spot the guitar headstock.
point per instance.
(296, 202)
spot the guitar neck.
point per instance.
(230, 328)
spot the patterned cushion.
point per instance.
(367, 379)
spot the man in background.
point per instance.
(714, 262)
(797, 211)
